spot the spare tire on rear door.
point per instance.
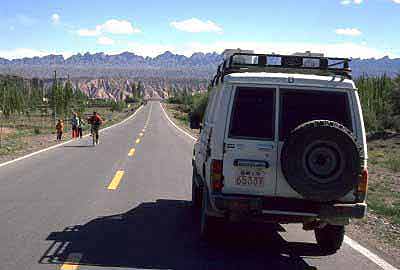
(321, 160)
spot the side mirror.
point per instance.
(194, 121)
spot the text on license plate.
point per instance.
(249, 181)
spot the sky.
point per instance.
(341, 28)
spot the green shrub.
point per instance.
(199, 105)
(118, 106)
(36, 131)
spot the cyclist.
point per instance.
(95, 121)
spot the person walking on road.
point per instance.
(95, 121)
(60, 129)
(80, 127)
(74, 125)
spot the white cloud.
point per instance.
(396, 1)
(348, 31)
(356, 2)
(27, 52)
(105, 41)
(55, 18)
(89, 32)
(117, 27)
(151, 50)
(195, 25)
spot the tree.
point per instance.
(68, 95)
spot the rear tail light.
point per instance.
(216, 175)
(362, 187)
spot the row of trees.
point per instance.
(20, 96)
(63, 100)
(25, 97)
(379, 96)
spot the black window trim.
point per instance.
(274, 92)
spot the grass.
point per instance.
(14, 142)
(384, 184)
(392, 162)
(179, 112)
(384, 201)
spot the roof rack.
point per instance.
(252, 62)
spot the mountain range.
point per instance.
(169, 65)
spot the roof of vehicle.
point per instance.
(290, 79)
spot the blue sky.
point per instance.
(351, 28)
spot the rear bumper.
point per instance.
(291, 209)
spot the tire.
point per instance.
(208, 224)
(330, 238)
(197, 193)
(321, 160)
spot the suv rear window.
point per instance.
(299, 106)
(253, 115)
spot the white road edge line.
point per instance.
(369, 254)
(181, 130)
(352, 243)
(61, 144)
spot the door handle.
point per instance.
(265, 147)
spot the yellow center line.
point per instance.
(131, 152)
(115, 182)
(72, 262)
(68, 266)
(137, 140)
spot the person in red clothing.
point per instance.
(95, 121)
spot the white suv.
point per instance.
(282, 141)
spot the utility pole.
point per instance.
(2, 112)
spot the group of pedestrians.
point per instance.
(77, 125)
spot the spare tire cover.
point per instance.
(321, 160)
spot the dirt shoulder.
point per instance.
(17, 143)
(380, 230)
(180, 118)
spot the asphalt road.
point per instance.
(68, 208)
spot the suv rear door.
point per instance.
(250, 150)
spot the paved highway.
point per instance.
(126, 204)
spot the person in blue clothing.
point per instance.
(74, 125)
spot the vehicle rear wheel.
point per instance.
(330, 238)
(197, 193)
(208, 224)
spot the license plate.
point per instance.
(250, 178)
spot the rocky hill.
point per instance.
(166, 65)
(123, 65)
(111, 76)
